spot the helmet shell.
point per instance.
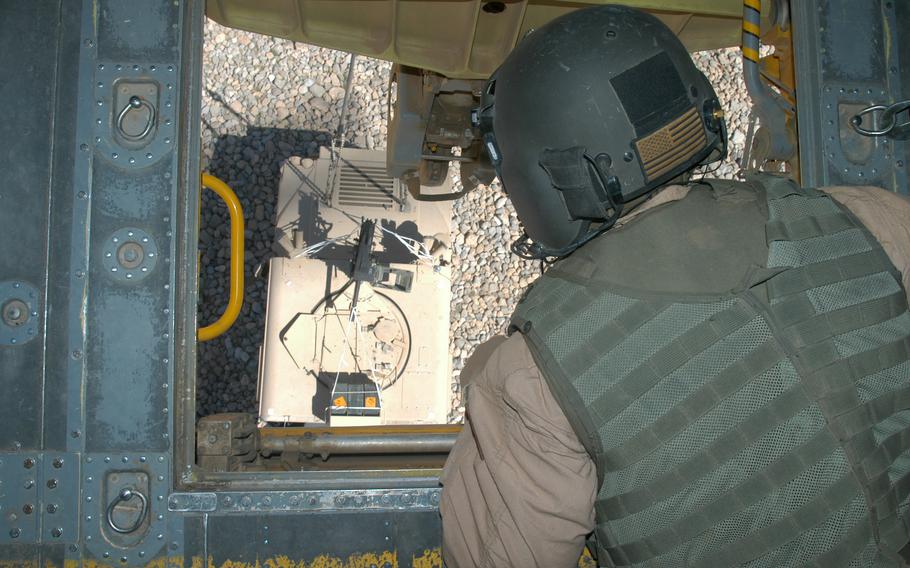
(613, 81)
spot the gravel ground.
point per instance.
(266, 99)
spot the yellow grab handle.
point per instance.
(236, 298)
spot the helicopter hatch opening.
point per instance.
(354, 368)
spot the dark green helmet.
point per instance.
(592, 110)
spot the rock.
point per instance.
(317, 90)
(319, 104)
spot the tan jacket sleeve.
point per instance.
(518, 487)
(886, 215)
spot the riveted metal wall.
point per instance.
(849, 56)
(88, 211)
(100, 159)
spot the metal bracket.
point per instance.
(19, 479)
(294, 501)
(18, 312)
(129, 255)
(39, 497)
(153, 136)
(104, 478)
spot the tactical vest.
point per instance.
(736, 364)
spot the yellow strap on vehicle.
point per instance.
(235, 301)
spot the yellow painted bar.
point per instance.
(750, 54)
(235, 300)
(751, 28)
(754, 4)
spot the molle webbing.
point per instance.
(730, 430)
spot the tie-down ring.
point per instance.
(125, 495)
(136, 103)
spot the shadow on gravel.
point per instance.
(227, 367)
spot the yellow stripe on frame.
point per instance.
(751, 28)
(754, 4)
(750, 54)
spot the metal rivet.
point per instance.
(51, 483)
(52, 508)
(14, 533)
(57, 532)
(29, 463)
(114, 155)
(81, 195)
(28, 508)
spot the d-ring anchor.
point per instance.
(136, 103)
(125, 495)
(884, 121)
